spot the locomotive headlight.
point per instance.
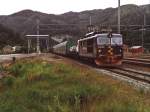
(120, 50)
(99, 50)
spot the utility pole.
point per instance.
(38, 39)
(143, 27)
(118, 16)
(142, 36)
(29, 45)
(90, 20)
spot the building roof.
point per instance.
(136, 47)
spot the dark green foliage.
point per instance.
(1, 68)
(9, 37)
(8, 81)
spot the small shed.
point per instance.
(7, 49)
(136, 49)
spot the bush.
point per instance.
(15, 69)
(1, 68)
(8, 81)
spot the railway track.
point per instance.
(138, 76)
(145, 56)
(139, 79)
(133, 74)
(139, 62)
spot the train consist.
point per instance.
(105, 49)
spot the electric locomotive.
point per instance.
(105, 49)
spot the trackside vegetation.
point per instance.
(36, 85)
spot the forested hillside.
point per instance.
(24, 22)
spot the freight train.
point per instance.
(105, 49)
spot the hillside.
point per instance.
(7, 37)
(24, 21)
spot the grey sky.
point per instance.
(61, 6)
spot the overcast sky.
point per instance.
(61, 6)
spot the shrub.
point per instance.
(1, 68)
(8, 81)
(15, 69)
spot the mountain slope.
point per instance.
(7, 37)
(24, 22)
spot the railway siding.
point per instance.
(131, 81)
(139, 62)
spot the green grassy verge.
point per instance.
(40, 86)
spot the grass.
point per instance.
(41, 86)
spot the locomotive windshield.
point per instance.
(116, 40)
(103, 40)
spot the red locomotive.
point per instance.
(106, 49)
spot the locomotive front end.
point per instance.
(109, 50)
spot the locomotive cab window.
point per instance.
(90, 45)
(103, 40)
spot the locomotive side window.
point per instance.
(83, 46)
(90, 46)
(103, 40)
(83, 43)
